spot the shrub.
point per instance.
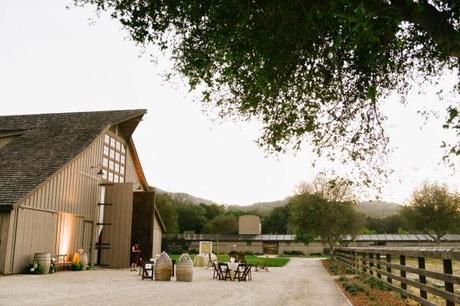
(343, 279)
(193, 251)
(352, 288)
(76, 266)
(374, 283)
(333, 268)
(34, 268)
(177, 252)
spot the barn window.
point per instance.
(113, 162)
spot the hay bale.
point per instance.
(163, 268)
(184, 269)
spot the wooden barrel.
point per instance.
(163, 268)
(84, 260)
(184, 269)
(44, 260)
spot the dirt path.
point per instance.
(303, 281)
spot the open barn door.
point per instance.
(116, 232)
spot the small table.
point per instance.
(201, 261)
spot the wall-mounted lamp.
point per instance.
(100, 172)
(139, 187)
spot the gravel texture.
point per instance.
(303, 281)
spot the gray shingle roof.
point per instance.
(46, 143)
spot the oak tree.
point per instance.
(314, 214)
(434, 210)
(306, 69)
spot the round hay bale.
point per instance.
(184, 269)
(163, 268)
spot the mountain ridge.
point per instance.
(374, 209)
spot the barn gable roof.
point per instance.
(43, 143)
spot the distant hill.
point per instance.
(260, 207)
(375, 209)
(378, 209)
(185, 197)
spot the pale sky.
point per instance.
(54, 59)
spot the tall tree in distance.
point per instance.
(336, 189)
(313, 70)
(168, 212)
(212, 210)
(277, 221)
(434, 210)
(225, 224)
(325, 209)
(191, 217)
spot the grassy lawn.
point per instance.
(251, 259)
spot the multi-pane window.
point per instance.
(113, 162)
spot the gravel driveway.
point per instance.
(303, 281)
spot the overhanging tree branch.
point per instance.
(433, 22)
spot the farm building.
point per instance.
(73, 181)
(279, 244)
(249, 225)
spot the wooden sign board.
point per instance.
(205, 247)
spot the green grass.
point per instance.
(251, 259)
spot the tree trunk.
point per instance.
(331, 249)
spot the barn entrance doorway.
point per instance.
(270, 247)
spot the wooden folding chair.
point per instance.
(224, 271)
(216, 272)
(245, 275)
(147, 269)
(239, 271)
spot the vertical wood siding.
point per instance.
(4, 229)
(131, 173)
(156, 236)
(36, 232)
(118, 234)
(73, 189)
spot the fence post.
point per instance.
(356, 260)
(402, 262)
(422, 278)
(355, 264)
(363, 259)
(353, 260)
(371, 263)
(378, 265)
(449, 287)
(389, 268)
